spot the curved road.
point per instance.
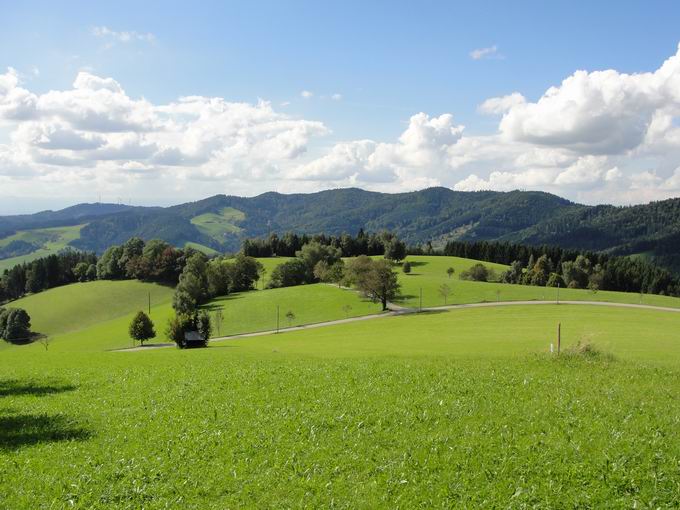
(397, 310)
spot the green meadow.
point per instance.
(49, 240)
(462, 408)
(429, 273)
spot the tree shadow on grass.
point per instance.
(18, 430)
(14, 387)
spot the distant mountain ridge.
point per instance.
(221, 222)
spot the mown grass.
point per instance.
(81, 305)
(95, 316)
(50, 240)
(257, 311)
(429, 273)
(456, 409)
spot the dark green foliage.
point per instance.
(395, 250)
(17, 248)
(290, 273)
(141, 328)
(478, 273)
(41, 274)
(15, 324)
(406, 267)
(379, 282)
(182, 323)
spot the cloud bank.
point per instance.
(596, 136)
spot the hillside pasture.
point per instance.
(452, 409)
(47, 240)
(429, 273)
(81, 305)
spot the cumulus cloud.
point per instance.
(422, 148)
(306, 94)
(596, 136)
(485, 53)
(500, 105)
(336, 97)
(95, 130)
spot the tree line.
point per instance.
(553, 266)
(350, 246)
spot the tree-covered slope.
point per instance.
(221, 222)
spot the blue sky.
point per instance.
(369, 66)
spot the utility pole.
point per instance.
(149, 303)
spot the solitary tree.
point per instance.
(406, 267)
(141, 328)
(380, 283)
(347, 309)
(395, 250)
(291, 317)
(450, 272)
(444, 291)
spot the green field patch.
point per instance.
(47, 240)
(218, 225)
(81, 305)
(210, 252)
(429, 273)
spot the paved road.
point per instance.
(397, 310)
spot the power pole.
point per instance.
(149, 303)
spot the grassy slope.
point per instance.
(216, 225)
(52, 240)
(429, 273)
(437, 410)
(81, 305)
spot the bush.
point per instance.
(406, 267)
(478, 273)
(15, 324)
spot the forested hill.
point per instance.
(436, 214)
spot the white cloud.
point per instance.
(306, 94)
(500, 105)
(485, 53)
(336, 97)
(598, 136)
(124, 36)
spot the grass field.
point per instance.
(452, 409)
(429, 273)
(80, 305)
(50, 240)
(216, 225)
(95, 316)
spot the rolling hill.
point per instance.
(436, 214)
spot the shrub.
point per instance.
(15, 324)
(406, 267)
(478, 273)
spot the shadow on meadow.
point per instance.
(14, 387)
(18, 428)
